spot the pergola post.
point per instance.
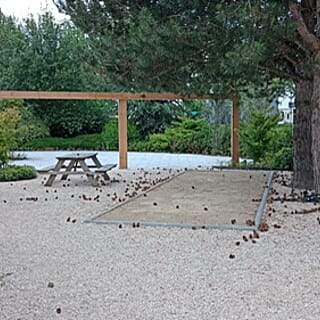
(123, 133)
(235, 127)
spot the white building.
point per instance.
(286, 108)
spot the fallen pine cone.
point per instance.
(250, 223)
(263, 227)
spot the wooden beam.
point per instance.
(123, 133)
(64, 95)
(235, 131)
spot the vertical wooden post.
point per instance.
(123, 133)
(235, 127)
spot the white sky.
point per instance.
(23, 8)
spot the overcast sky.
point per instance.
(23, 8)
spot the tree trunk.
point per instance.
(303, 160)
(315, 125)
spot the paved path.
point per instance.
(40, 159)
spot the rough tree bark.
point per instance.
(307, 135)
(302, 161)
(315, 124)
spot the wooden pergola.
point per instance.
(122, 99)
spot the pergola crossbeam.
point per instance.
(74, 95)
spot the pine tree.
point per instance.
(217, 47)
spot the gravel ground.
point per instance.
(54, 269)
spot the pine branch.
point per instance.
(309, 39)
(280, 72)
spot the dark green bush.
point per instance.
(110, 135)
(280, 151)
(157, 142)
(281, 137)
(84, 142)
(282, 159)
(184, 136)
(14, 173)
(268, 143)
(256, 135)
(191, 136)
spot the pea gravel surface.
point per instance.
(54, 266)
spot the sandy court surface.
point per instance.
(215, 197)
(54, 266)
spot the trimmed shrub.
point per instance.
(14, 173)
(84, 142)
(158, 142)
(184, 136)
(191, 136)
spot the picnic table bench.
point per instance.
(75, 163)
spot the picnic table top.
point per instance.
(77, 155)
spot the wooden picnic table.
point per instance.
(77, 163)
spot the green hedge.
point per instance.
(84, 142)
(14, 173)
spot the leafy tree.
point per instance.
(55, 58)
(11, 49)
(213, 47)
